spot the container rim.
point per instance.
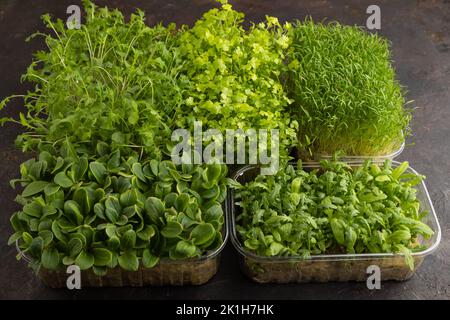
(209, 255)
(346, 256)
(391, 155)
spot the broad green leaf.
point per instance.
(67, 261)
(48, 210)
(102, 148)
(63, 180)
(382, 178)
(36, 246)
(98, 170)
(114, 160)
(182, 202)
(154, 208)
(397, 172)
(27, 238)
(202, 233)
(112, 209)
(185, 249)
(147, 233)
(100, 271)
(211, 193)
(137, 170)
(50, 258)
(57, 231)
(51, 189)
(211, 175)
(47, 236)
(14, 237)
(128, 240)
(72, 211)
(79, 169)
(170, 199)
(400, 236)
(33, 209)
(75, 245)
(85, 260)
(34, 188)
(148, 259)
(128, 198)
(338, 230)
(274, 249)
(129, 261)
(154, 165)
(172, 229)
(113, 243)
(214, 212)
(99, 210)
(102, 257)
(350, 237)
(85, 198)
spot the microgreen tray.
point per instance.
(195, 271)
(329, 267)
(392, 154)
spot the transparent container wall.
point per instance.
(194, 271)
(336, 267)
(353, 158)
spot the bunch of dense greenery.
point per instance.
(112, 209)
(334, 209)
(345, 92)
(236, 74)
(101, 191)
(107, 78)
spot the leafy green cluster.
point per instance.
(236, 74)
(337, 209)
(111, 209)
(108, 96)
(345, 92)
(108, 76)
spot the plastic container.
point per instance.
(353, 159)
(329, 267)
(166, 272)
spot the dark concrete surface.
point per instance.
(420, 35)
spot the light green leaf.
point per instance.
(85, 260)
(34, 188)
(203, 233)
(63, 180)
(172, 229)
(128, 240)
(148, 259)
(50, 258)
(102, 257)
(129, 261)
(98, 170)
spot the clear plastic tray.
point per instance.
(329, 267)
(166, 272)
(357, 158)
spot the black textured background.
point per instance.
(420, 35)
